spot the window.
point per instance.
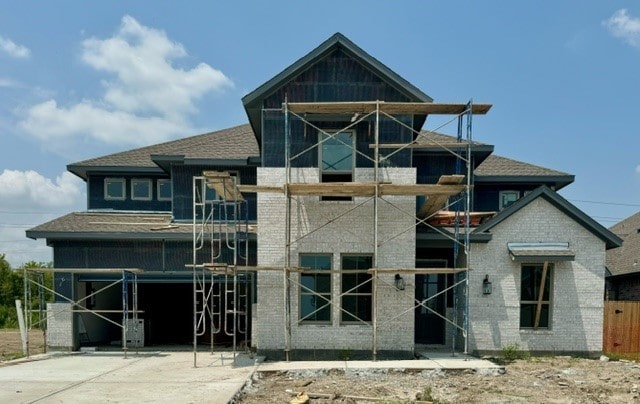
(507, 198)
(114, 189)
(356, 288)
(535, 308)
(315, 288)
(164, 190)
(337, 160)
(141, 189)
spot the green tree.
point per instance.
(10, 290)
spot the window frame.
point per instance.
(344, 272)
(502, 206)
(123, 187)
(303, 291)
(164, 181)
(149, 195)
(548, 291)
(339, 175)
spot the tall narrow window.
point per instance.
(114, 189)
(164, 190)
(315, 288)
(356, 288)
(337, 159)
(535, 292)
(141, 189)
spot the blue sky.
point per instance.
(82, 79)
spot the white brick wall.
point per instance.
(352, 233)
(60, 329)
(577, 290)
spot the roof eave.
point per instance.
(559, 181)
(83, 171)
(611, 240)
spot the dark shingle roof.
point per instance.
(502, 166)
(621, 260)
(236, 143)
(113, 225)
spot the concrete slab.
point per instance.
(441, 362)
(163, 376)
(109, 377)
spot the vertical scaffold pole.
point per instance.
(194, 260)
(287, 247)
(374, 281)
(467, 226)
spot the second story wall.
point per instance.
(129, 192)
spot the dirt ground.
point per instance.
(534, 380)
(11, 344)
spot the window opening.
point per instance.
(356, 288)
(507, 198)
(114, 189)
(535, 295)
(164, 190)
(315, 288)
(141, 189)
(337, 160)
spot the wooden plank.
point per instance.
(223, 183)
(392, 108)
(434, 203)
(420, 189)
(543, 282)
(429, 145)
(368, 189)
(418, 270)
(260, 188)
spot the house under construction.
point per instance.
(333, 225)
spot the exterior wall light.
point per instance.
(487, 288)
(399, 282)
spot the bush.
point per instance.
(513, 352)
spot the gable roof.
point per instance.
(610, 239)
(253, 101)
(236, 144)
(621, 260)
(501, 169)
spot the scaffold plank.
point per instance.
(391, 108)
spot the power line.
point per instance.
(635, 205)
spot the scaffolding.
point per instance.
(33, 278)
(451, 191)
(222, 282)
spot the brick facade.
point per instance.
(350, 234)
(576, 292)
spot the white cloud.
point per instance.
(27, 198)
(624, 26)
(14, 50)
(146, 98)
(30, 190)
(49, 122)
(638, 169)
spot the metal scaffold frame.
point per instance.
(129, 277)
(362, 111)
(220, 221)
(457, 187)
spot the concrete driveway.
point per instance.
(153, 377)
